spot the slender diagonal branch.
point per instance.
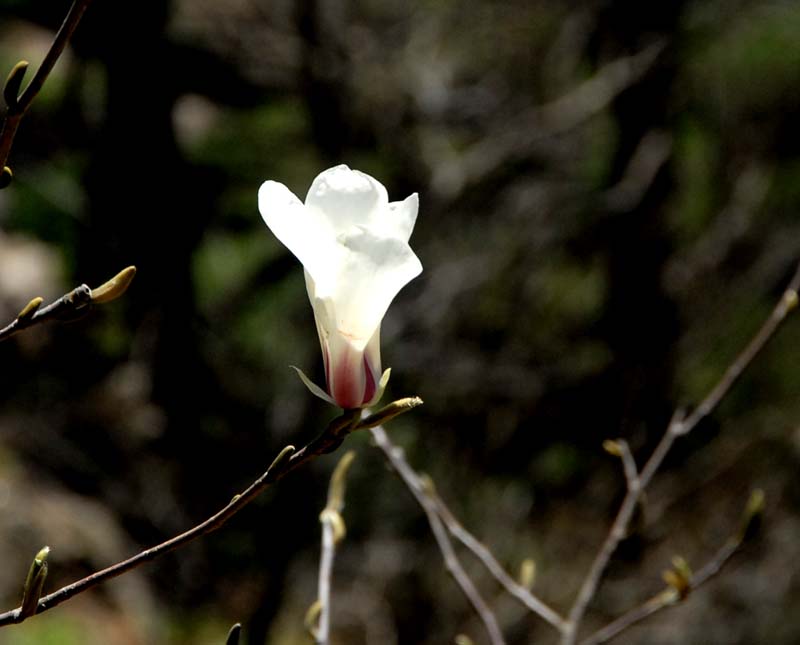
(680, 424)
(668, 597)
(484, 555)
(18, 105)
(628, 464)
(287, 461)
(70, 306)
(452, 563)
(517, 135)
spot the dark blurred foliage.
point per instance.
(609, 198)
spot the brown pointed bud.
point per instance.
(114, 288)
(612, 448)
(283, 455)
(34, 584)
(527, 573)
(337, 486)
(11, 91)
(5, 177)
(335, 520)
(679, 578)
(790, 299)
(751, 517)
(390, 411)
(30, 309)
(312, 617)
(427, 484)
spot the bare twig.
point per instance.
(457, 530)
(70, 306)
(18, 104)
(414, 483)
(648, 158)
(482, 552)
(34, 583)
(620, 448)
(287, 460)
(660, 601)
(333, 530)
(680, 424)
(389, 412)
(672, 595)
(519, 133)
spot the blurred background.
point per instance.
(609, 196)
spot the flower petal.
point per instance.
(372, 354)
(380, 389)
(399, 221)
(346, 198)
(321, 320)
(306, 233)
(347, 377)
(372, 271)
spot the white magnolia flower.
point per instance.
(353, 244)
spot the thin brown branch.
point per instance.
(620, 448)
(482, 552)
(518, 134)
(70, 306)
(287, 461)
(785, 305)
(457, 530)
(389, 412)
(414, 484)
(679, 425)
(655, 604)
(666, 598)
(18, 105)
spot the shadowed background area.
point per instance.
(609, 199)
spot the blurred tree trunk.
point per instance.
(640, 321)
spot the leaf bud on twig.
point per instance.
(751, 517)
(13, 84)
(311, 618)
(5, 177)
(612, 448)
(115, 287)
(527, 573)
(28, 310)
(679, 578)
(34, 584)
